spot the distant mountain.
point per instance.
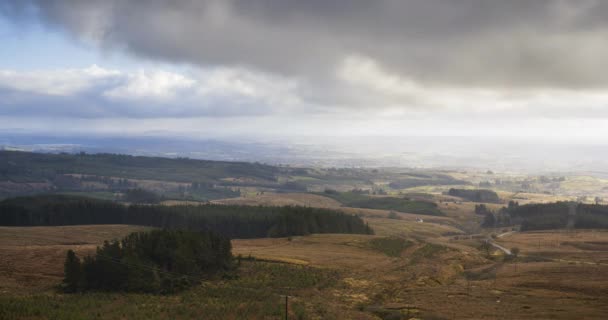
(450, 153)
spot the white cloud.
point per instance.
(238, 82)
(152, 93)
(55, 82)
(363, 88)
(244, 102)
(150, 85)
(363, 71)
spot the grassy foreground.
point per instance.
(257, 293)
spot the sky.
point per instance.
(306, 70)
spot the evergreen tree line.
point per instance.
(159, 261)
(227, 220)
(501, 218)
(543, 216)
(476, 195)
(138, 195)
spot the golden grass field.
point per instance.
(320, 250)
(433, 278)
(31, 258)
(459, 283)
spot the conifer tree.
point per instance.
(73, 273)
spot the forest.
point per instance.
(399, 204)
(475, 195)
(231, 221)
(545, 216)
(157, 261)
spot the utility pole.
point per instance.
(286, 307)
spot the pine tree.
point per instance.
(489, 221)
(73, 279)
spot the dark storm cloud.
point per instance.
(476, 43)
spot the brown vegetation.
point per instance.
(283, 199)
(31, 258)
(434, 276)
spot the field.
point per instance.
(414, 266)
(283, 199)
(328, 250)
(425, 274)
(577, 246)
(403, 223)
(257, 292)
(32, 264)
(31, 258)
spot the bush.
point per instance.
(394, 215)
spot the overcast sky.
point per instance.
(293, 68)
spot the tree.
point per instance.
(486, 247)
(73, 272)
(229, 221)
(489, 221)
(481, 209)
(158, 261)
(515, 251)
(139, 195)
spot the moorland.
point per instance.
(419, 249)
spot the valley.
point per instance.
(427, 264)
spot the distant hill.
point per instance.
(31, 167)
(23, 173)
(115, 177)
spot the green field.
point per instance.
(406, 205)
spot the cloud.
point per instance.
(328, 67)
(361, 87)
(101, 93)
(56, 82)
(157, 85)
(470, 43)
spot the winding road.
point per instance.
(497, 246)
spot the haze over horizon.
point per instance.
(379, 79)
